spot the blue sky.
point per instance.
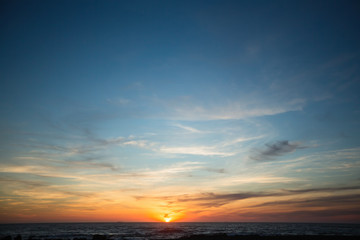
(153, 108)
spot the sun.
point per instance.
(167, 219)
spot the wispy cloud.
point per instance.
(216, 200)
(187, 128)
(212, 199)
(325, 189)
(93, 174)
(198, 150)
(337, 200)
(230, 110)
(119, 101)
(237, 180)
(241, 140)
(225, 148)
(181, 167)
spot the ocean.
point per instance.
(143, 231)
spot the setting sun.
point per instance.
(168, 219)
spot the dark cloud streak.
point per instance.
(325, 189)
(276, 149)
(216, 200)
(338, 200)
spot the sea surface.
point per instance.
(143, 231)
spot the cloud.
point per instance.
(91, 174)
(337, 200)
(86, 146)
(139, 143)
(246, 179)
(190, 111)
(88, 163)
(249, 105)
(31, 190)
(65, 173)
(212, 199)
(27, 183)
(181, 167)
(119, 101)
(216, 200)
(241, 140)
(222, 149)
(187, 128)
(276, 149)
(216, 170)
(119, 141)
(197, 150)
(325, 189)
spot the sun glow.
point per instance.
(167, 219)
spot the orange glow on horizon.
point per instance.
(168, 219)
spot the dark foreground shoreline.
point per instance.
(272, 237)
(203, 237)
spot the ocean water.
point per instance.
(143, 231)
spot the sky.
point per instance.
(204, 111)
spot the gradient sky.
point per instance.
(189, 110)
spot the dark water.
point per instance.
(143, 231)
